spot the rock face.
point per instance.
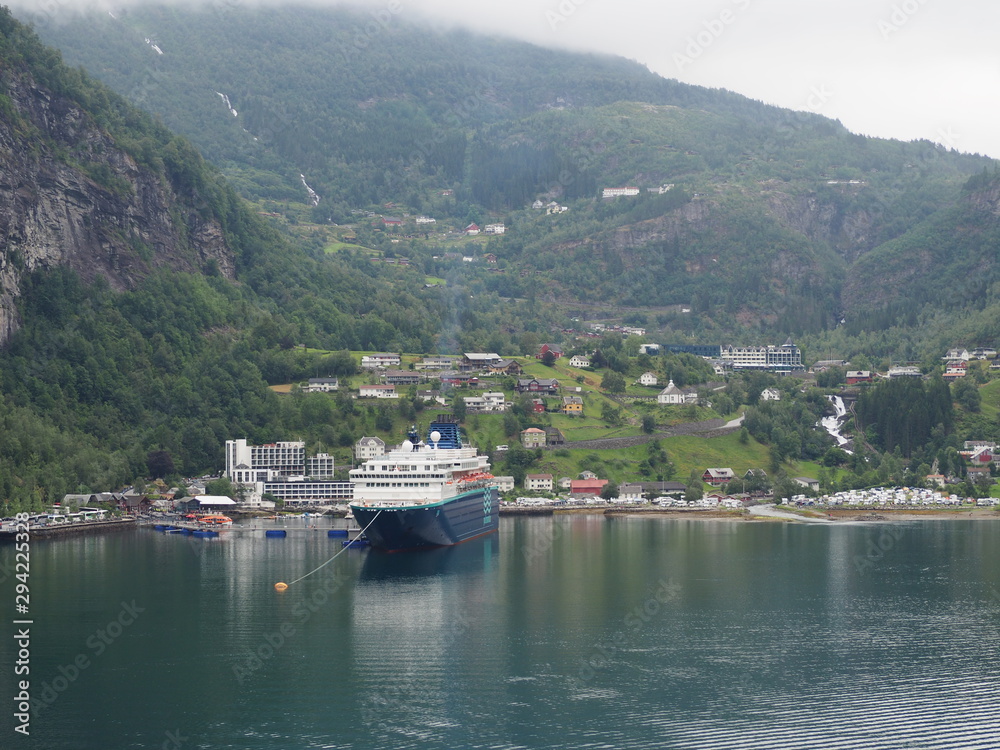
(70, 196)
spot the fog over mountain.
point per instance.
(908, 69)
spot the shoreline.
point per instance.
(833, 516)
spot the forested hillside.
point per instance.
(765, 231)
(124, 345)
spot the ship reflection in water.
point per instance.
(475, 556)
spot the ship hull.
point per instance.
(459, 519)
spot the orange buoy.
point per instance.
(280, 586)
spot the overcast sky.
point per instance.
(904, 69)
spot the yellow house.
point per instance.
(572, 405)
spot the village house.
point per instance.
(548, 386)
(477, 361)
(718, 476)
(368, 447)
(377, 391)
(619, 192)
(648, 379)
(955, 369)
(572, 405)
(979, 474)
(458, 379)
(579, 360)
(436, 363)
(533, 438)
(472, 229)
(322, 385)
(770, 394)
(391, 221)
(556, 351)
(475, 404)
(495, 401)
(855, 377)
(504, 484)
(808, 482)
(957, 354)
(505, 367)
(537, 406)
(495, 229)
(630, 493)
(401, 377)
(432, 396)
(904, 371)
(425, 220)
(379, 359)
(541, 482)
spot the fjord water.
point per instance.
(565, 632)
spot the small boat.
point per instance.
(216, 520)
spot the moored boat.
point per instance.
(422, 495)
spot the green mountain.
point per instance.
(145, 307)
(765, 231)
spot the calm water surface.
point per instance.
(566, 632)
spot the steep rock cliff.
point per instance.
(69, 195)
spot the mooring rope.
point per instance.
(283, 586)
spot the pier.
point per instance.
(59, 530)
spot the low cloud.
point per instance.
(899, 68)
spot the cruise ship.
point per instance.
(423, 495)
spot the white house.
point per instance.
(670, 395)
(630, 493)
(648, 378)
(495, 229)
(379, 359)
(472, 229)
(425, 220)
(368, 447)
(770, 394)
(579, 360)
(620, 191)
(538, 482)
(322, 385)
(495, 401)
(504, 484)
(378, 391)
